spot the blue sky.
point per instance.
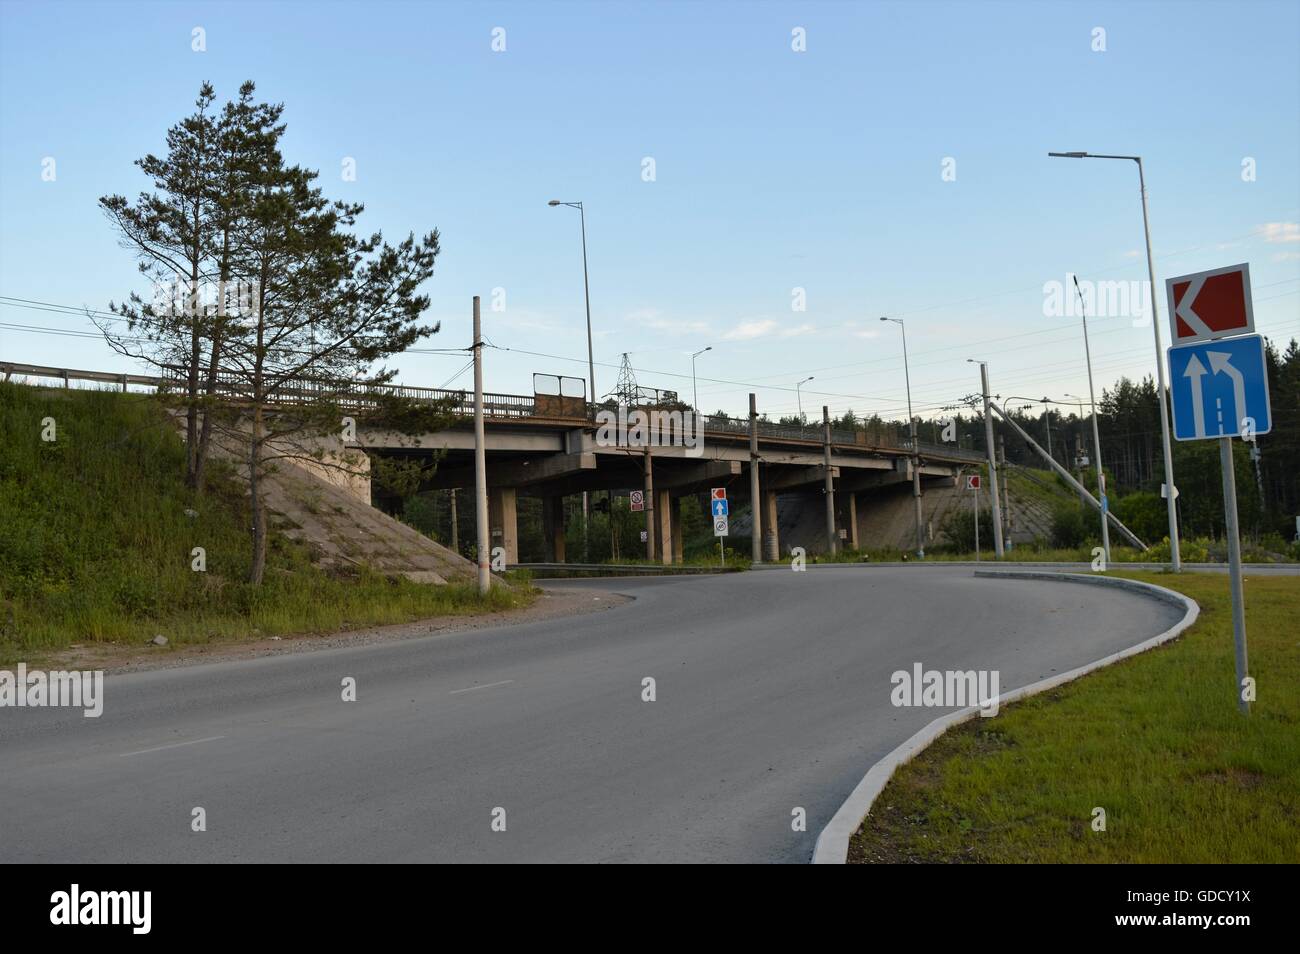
(774, 170)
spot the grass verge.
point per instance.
(1156, 741)
(97, 531)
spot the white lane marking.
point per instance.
(490, 685)
(174, 745)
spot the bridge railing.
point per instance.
(495, 406)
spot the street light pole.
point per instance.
(1172, 507)
(799, 397)
(695, 391)
(591, 363)
(916, 448)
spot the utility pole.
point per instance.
(832, 541)
(993, 464)
(1047, 418)
(455, 528)
(480, 461)
(1006, 488)
(755, 504)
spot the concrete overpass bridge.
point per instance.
(552, 447)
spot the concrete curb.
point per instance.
(1289, 568)
(833, 842)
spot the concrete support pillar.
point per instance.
(503, 519)
(553, 528)
(649, 468)
(663, 518)
(771, 537)
(675, 508)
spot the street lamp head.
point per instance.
(709, 348)
(555, 202)
(1068, 155)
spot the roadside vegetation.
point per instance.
(98, 527)
(1156, 741)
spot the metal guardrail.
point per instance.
(495, 405)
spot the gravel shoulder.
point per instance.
(115, 657)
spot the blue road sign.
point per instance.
(1219, 388)
(720, 508)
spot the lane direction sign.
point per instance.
(1219, 388)
(721, 508)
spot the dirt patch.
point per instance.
(123, 657)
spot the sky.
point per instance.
(765, 179)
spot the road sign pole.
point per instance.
(1234, 566)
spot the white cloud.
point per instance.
(1279, 231)
(748, 330)
(765, 328)
(653, 319)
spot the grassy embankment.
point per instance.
(95, 542)
(1156, 741)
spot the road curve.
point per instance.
(772, 692)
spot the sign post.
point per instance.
(720, 508)
(973, 483)
(1218, 387)
(1234, 558)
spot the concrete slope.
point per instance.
(331, 517)
(772, 694)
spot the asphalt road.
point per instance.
(772, 693)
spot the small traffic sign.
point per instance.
(721, 508)
(719, 493)
(1212, 304)
(638, 500)
(720, 527)
(644, 536)
(1219, 389)
(972, 481)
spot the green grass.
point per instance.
(1156, 741)
(95, 542)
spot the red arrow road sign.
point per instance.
(719, 493)
(1211, 304)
